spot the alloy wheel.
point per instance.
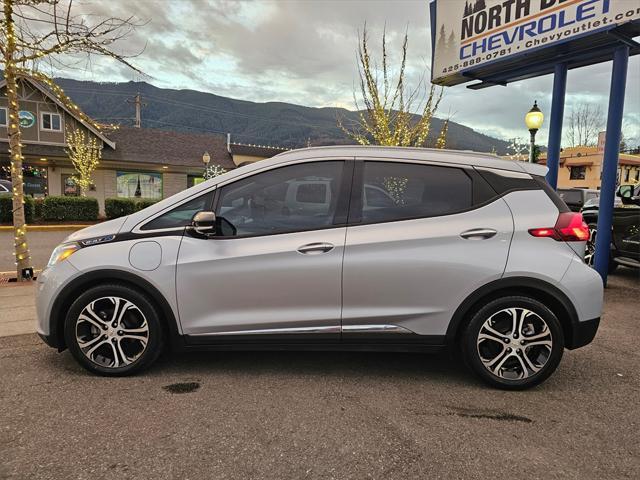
(590, 251)
(514, 343)
(112, 332)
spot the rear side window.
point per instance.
(399, 191)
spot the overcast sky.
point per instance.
(303, 52)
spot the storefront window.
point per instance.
(578, 172)
(139, 185)
(69, 186)
(34, 178)
(194, 180)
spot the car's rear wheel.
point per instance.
(113, 330)
(513, 343)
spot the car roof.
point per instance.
(457, 157)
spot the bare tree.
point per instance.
(46, 30)
(585, 122)
(387, 117)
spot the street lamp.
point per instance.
(533, 119)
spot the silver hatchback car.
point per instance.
(350, 248)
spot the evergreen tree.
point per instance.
(451, 44)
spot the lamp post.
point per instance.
(206, 158)
(533, 119)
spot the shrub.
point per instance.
(37, 208)
(6, 209)
(119, 207)
(141, 204)
(70, 208)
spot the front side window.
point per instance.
(397, 191)
(51, 121)
(181, 215)
(288, 199)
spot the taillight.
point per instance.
(570, 227)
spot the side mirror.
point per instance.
(204, 223)
(625, 191)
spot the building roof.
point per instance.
(255, 150)
(581, 155)
(150, 145)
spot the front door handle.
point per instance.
(479, 233)
(316, 248)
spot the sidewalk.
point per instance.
(17, 309)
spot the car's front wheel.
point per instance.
(113, 329)
(513, 342)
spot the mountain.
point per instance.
(270, 123)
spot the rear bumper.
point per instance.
(583, 333)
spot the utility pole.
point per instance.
(137, 101)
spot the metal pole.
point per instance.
(610, 163)
(532, 145)
(555, 125)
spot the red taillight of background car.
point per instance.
(570, 227)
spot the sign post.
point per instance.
(610, 163)
(555, 125)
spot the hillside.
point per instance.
(272, 123)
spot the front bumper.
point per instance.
(49, 284)
(583, 333)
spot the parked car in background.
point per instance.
(5, 187)
(335, 248)
(625, 233)
(575, 198)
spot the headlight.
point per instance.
(61, 252)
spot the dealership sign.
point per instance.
(471, 33)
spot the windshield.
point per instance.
(570, 196)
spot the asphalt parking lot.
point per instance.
(325, 415)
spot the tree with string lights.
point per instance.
(85, 152)
(33, 31)
(387, 117)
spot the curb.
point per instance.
(45, 228)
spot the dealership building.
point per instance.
(136, 162)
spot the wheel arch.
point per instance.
(91, 279)
(542, 291)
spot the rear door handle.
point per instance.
(479, 233)
(316, 248)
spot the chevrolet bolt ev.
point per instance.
(335, 248)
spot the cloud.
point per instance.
(304, 52)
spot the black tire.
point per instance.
(471, 345)
(142, 314)
(593, 231)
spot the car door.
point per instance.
(409, 263)
(275, 273)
